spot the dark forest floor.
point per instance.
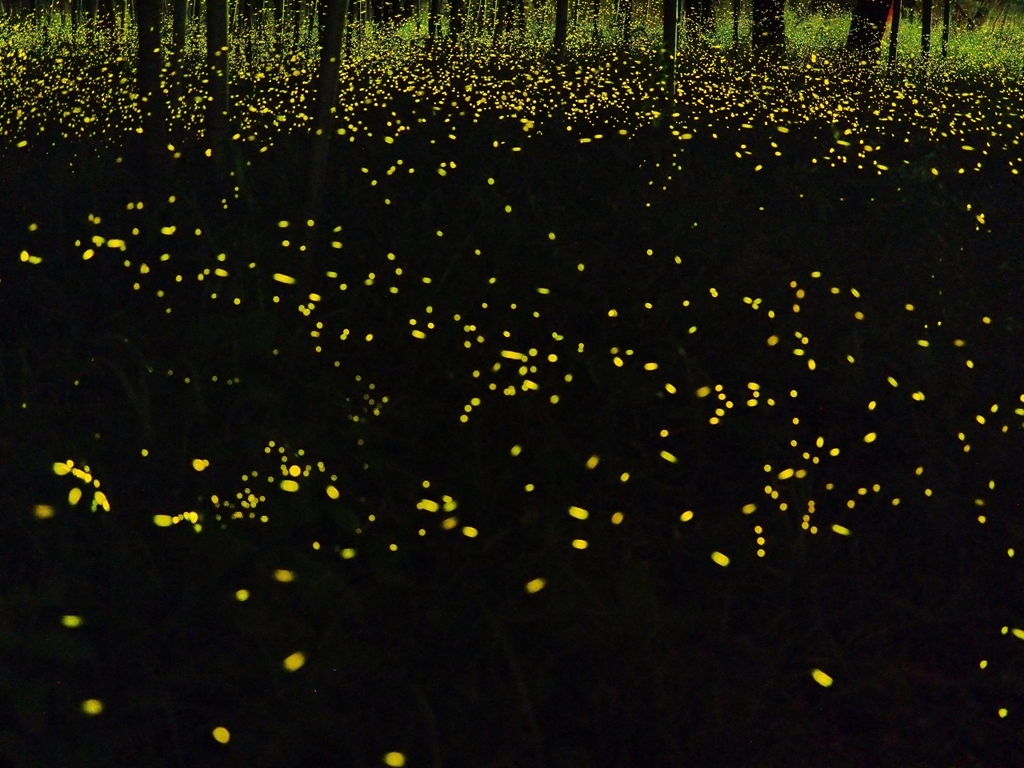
(418, 631)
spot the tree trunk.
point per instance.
(218, 107)
(945, 27)
(669, 21)
(700, 18)
(333, 17)
(926, 28)
(894, 33)
(105, 15)
(561, 26)
(179, 28)
(179, 25)
(504, 22)
(478, 17)
(333, 21)
(626, 20)
(151, 98)
(866, 29)
(433, 22)
(768, 29)
(456, 18)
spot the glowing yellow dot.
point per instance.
(579, 543)
(332, 492)
(43, 511)
(579, 513)
(221, 734)
(536, 585)
(719, 558)
(394, 759)
(295, 661)
(821, 678)
(289, 485)
(686, 516)
(71, 622)
(870, 437)
(92, 706)
(242, 595)
(749, 508)
(284, 576)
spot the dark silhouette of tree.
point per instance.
(218, 107)
(625, 20)
(103, 13)
(505, 21)
(894, 34)
(393, 10)
(333, 16)
(926, 28)
(700, 18)
(866, 29)
(433, 22)
(294, 18)
(945, 27)
(179, 25)
(176, 54)
(670, 21)
(151, 97)
(561, 26)
(457, 18)
(768, 28)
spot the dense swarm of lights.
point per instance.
(511, 345)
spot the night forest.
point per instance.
(511, 383)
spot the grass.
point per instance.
(589, 428)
